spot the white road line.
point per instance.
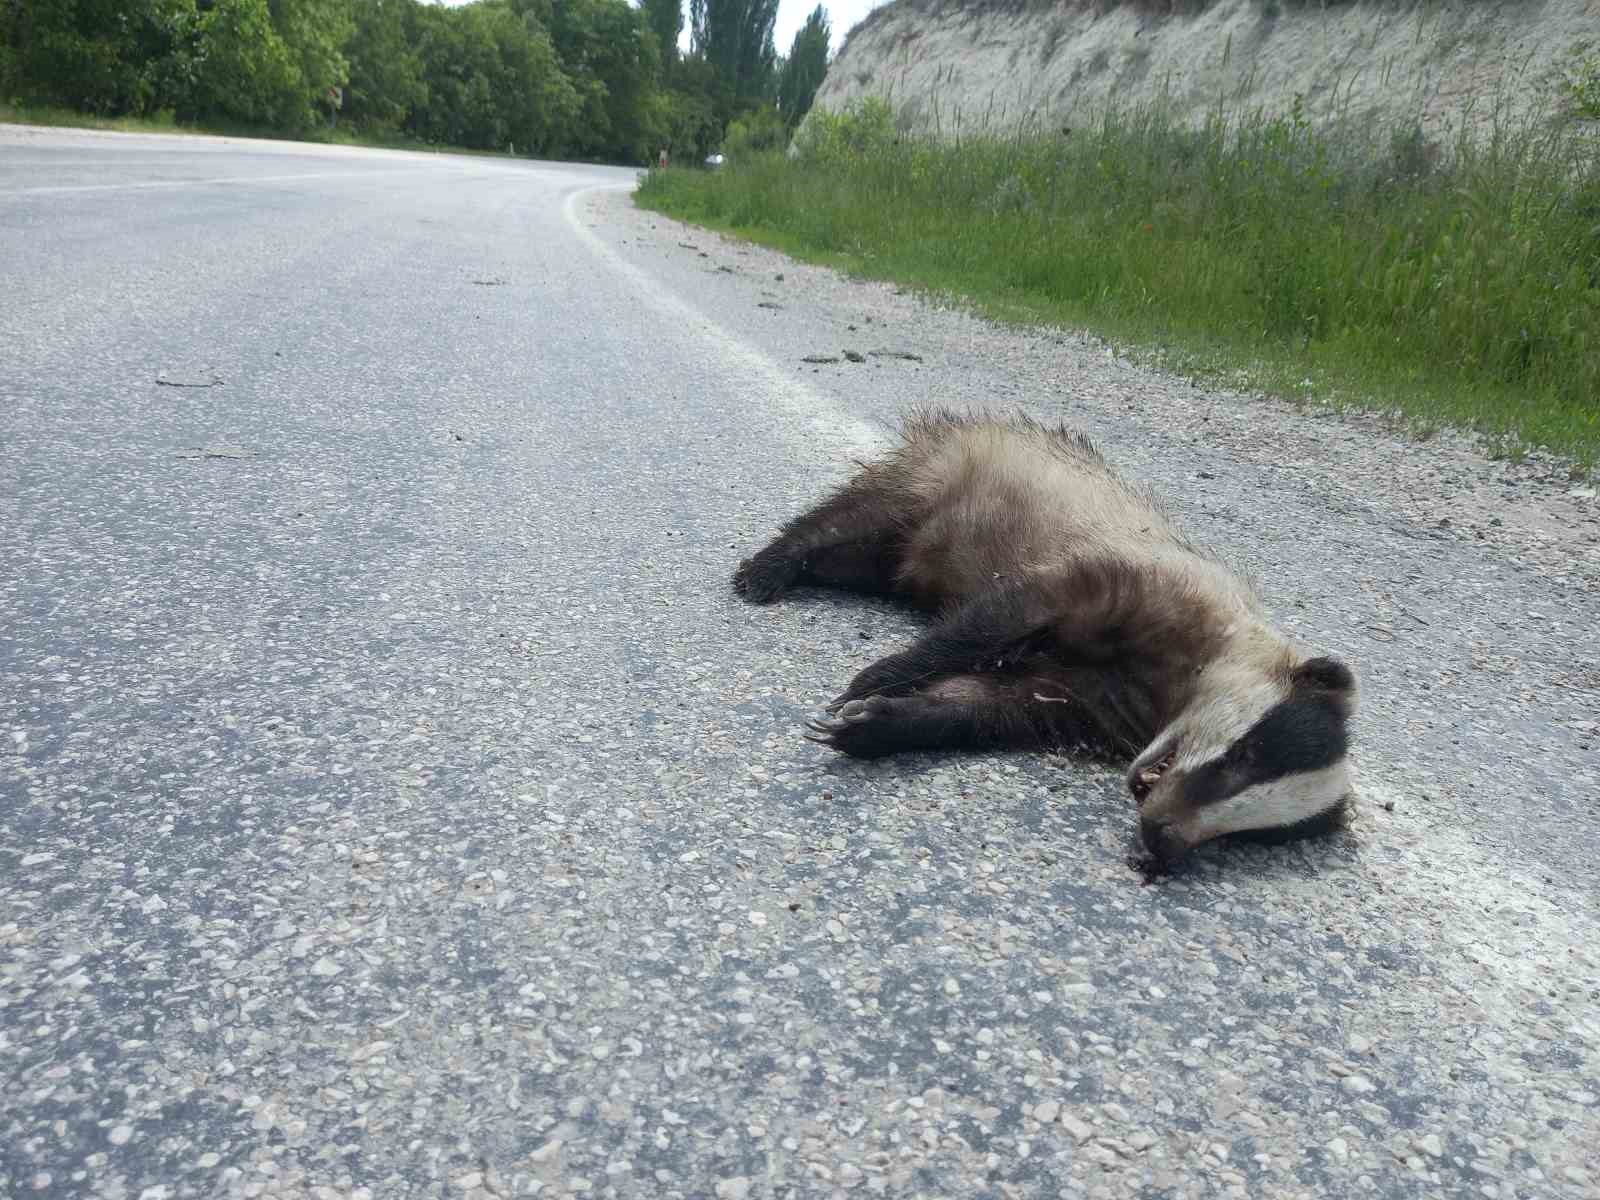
(852, 435)
(219, 181)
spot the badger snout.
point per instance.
(1161, 847)
(1157, 790)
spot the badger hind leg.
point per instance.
(852, 540)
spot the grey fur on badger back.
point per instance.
(1071, 613)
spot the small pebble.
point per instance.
(1080, 1132)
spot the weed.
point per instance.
(1579, 79)
(1457, 284)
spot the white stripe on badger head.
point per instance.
(1275, 803)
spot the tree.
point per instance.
(694, 111)
(313, 33)
(738, 43)
(243, 70)
(103, 56)
(613, 60)
(10, 15)
(665, 20)
(542, 104)
(549, 76)
(493, 78)
(805, 67)
(385, 70)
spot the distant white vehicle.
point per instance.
(714, 161)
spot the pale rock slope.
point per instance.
(963, 65)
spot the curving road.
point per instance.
(394, 800)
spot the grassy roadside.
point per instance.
(1449, 285)
(17, 113)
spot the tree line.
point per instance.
(596, 79)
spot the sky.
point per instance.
(842, 15)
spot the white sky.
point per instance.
(842, 15)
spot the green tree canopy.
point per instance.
(614, 61)
(584, 77)
(386, 84)
(665, 20)
(736, 37)
(493, 80)
(243, 70)
(805, 67)
(313, 33)
(101, 56)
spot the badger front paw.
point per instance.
(880, 725)
(853, 728)
(766, 576)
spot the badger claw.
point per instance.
(844, 701)
(845, 704)
(822, 732)
(846, 715)
(831, 731)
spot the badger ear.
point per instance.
(1330, 677)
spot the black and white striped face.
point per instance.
(1265, 757)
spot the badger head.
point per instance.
(1259, 753)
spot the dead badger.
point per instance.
(1072, 613)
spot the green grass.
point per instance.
(22, 113)
(1448, 285)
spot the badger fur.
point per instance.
(1071, 613)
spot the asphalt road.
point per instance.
(395, 801)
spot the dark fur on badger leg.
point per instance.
(851, 541)
(1020, 711)
(995, 674)
(964, 712)
(995, 631)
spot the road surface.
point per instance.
(395, 801)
